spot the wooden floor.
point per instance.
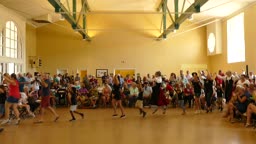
(99, 127)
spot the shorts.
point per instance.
(117, 97)
(45, 102)
(219, 100)
(139, 104)
(73, 108)
(11, 99)
(2, 110)
(197, 95)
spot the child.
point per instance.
(219, 92)
(139, 102)
(72, 94)
(180, 95)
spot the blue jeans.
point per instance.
(181, 104)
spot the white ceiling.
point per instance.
(212, 9)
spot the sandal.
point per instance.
(247, 125)
(56, 118)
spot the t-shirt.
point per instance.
(46, 90)
(197, 87)
(21, 83)
(2, 98)
(188, 91)
(147, 91)
(140, 97)
(14, 90)
(83, 91)
(73, 99)
(116, 90)
(179, 93)
(208, 85)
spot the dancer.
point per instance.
(156, 91)
(180, 95)
(208, 89)
(219, 92)
(139, 102)
(12, 99)
(162, 101)
(72, 95)
(45, 103)
(116, 94)
(197, 85)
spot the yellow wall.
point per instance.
(220, 61)
(122, 44)
(30, 46)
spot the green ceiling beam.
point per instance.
(194, 8)
(74, 9)
(84, 15)
(164, 8)
(74, 14)
(176, 7)
(59, 7)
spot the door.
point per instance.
(125, 72)
(83, 73)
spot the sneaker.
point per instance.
(141, 112)
(122, 116)
(82, 115)
(73, 119)
(144, 114)
(154, 111)
(114, 115)
(17, 122)
(164, 111)
(55, 120)
(5, 121)
(33, 115)
(247, 125)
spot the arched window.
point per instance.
(11, 40)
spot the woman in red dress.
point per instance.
(13, 98)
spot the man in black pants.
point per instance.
(1, 129)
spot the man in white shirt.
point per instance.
(189, 76)
(134, 92)
(28, 79)
(251, 77)
(243, 81)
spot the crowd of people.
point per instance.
(202, 91)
